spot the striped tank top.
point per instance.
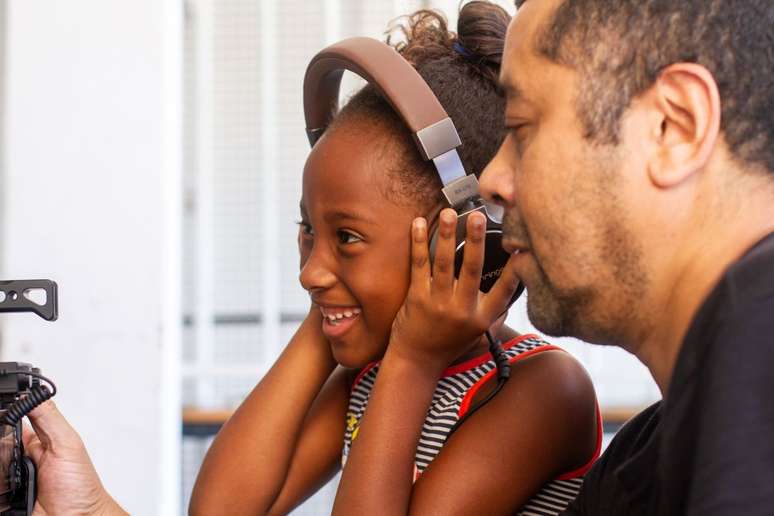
(451, 401)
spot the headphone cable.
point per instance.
(503, 373)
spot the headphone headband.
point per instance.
(402, 86)
(434, 132)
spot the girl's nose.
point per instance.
(316, 274)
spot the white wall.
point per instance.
(92, 144)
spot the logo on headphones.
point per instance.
(492, 275)
(466, 188)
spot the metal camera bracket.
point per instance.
(14, 297)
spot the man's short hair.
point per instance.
(620, 46)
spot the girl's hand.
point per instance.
(443, 317)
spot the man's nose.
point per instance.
(496, 181)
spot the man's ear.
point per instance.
(687, 100)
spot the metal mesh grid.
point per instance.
(236, 156)
(300, 34)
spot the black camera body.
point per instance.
(21, 391)
(17, 471)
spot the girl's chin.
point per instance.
(354, 355)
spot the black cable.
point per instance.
(37, 395)
(503, 373)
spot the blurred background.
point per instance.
(150, 163)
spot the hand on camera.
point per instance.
(443, 317)
(67, 481)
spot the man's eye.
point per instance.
(347, 237)
(518, 133)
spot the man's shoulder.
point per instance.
(718, 419)
(630, 442)
(740, 310)
(635, 434)
(623, 474)
(750, 281)
(726, 356)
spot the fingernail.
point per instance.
(478, 222)
(419, 228)
(448, 216)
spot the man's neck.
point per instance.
(683, 294)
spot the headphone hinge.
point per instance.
(461, 191)
(438, 138)
(449, 167)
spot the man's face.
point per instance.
(565, 198)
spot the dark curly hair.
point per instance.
(465, 83)
(620, 47)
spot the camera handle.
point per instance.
(13, 298)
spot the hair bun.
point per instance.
(481, 31)
(424, 37)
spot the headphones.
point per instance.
(433, 131)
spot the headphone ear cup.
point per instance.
(495, 257)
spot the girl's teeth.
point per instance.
(334, 318)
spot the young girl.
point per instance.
(364, 186)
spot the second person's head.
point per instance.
(365, 181)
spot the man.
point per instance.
(638, 181)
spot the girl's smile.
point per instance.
(338, 320)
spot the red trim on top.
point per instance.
(586, 467)
(468, 399)
(361, 374)
(485, 357)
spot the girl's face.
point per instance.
(354, 240)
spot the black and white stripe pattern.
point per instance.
(443, 414)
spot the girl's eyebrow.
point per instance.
(343, 214)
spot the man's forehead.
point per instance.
(520, 52)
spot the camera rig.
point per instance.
(21, 391)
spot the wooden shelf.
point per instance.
(192, 416)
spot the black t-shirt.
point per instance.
(708, 448)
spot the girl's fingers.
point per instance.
(495, 302)
(443, 261)
(473, 261)
(420, 259)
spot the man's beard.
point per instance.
(601, 312)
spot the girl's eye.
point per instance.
(305, 228)
(347, 237)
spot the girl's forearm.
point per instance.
(247, 464)
(379, 474)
